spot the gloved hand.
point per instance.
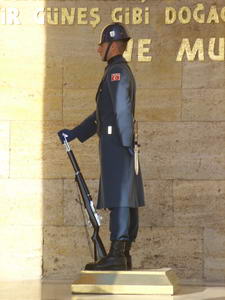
(71, 134)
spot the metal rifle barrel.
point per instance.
(83, 188)
(78, 172)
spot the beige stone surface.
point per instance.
(203, 104)
(22, 203)
(161, 73)
(26, 149)
(21, 252)
(76, 78)
(158, 209)
(78, 104)
(34, 74)
(199, 203)
(31, 104)
(187, 150)
(179, 248)
(21, 289)
(55, 163)
(66, 250)
(158, 105)
(214, 243)
(31, 202)
(4, 148)
(38, 153)
(53, 202)
(72, 49)
(48, 80)
(26, 41)
(198, 75)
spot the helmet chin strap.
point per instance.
(107, 51)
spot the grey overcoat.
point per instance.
(113, 121)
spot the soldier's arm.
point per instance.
(87, 128)
(119, 87)
(84, 131)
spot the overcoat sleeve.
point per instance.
(119, 84)
(87, 128)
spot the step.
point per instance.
(136, 282)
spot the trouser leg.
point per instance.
(124, 226)
(134, 224)
(119, 228)
(123, 223)
(119, 223)
(133, 231)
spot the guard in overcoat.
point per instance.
(120, 188)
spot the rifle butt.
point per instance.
(99, 249)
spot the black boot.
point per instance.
(114, 260)
(127, 254)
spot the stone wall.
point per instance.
(48, 80)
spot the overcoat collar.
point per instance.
(116, 60)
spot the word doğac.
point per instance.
(185, 14)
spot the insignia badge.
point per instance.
(112, 33)
(115, 77)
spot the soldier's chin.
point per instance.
(103, 57)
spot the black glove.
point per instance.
(71, 134)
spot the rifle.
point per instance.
(99, 249)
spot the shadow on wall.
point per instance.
(73, 71)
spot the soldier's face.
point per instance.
(102, 50)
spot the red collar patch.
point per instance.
(115, 77)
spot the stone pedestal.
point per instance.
(141, 282)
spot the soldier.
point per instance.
(120, 188)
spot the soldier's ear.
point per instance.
(116, 45)
(113, 45)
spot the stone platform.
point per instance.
(137, 282)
